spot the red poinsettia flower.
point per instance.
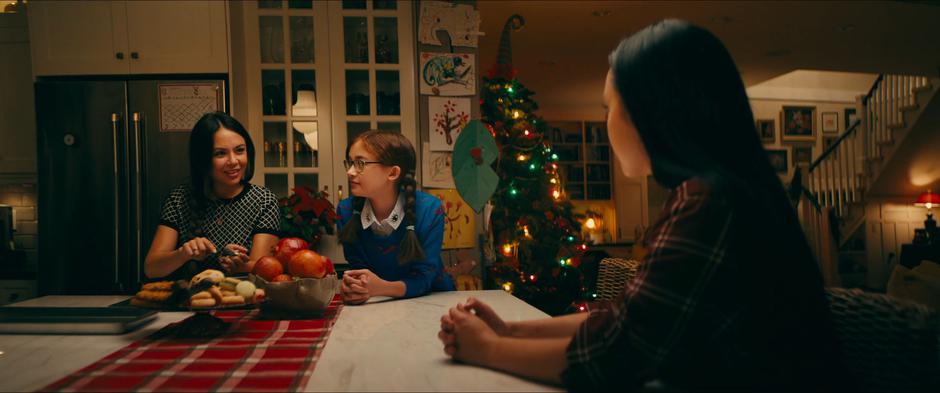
(307, 214)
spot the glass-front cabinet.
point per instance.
(321, 72)
(288, 53)
(373, 73)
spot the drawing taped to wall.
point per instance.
(448, 74)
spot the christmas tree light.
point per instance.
(531, 217)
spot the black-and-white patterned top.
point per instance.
(225, 221)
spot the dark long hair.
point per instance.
(391, 149)
(687, 100)
(201, 147)
(688, 103)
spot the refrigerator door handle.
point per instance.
(115, 118)
(137, 142)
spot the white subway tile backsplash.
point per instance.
(29, 199)
(27, 227)
(24, 213)
(25, 242)
(11, 198)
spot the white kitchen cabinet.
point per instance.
(132, 37)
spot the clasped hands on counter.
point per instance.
(359, 285)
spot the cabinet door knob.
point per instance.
(119, 55)
(135, 55)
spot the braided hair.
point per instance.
(391, 149)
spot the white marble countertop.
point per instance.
(30, 362)
(384, 345)
(392, 345)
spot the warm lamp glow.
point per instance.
(306, 103)
(507, 286)
(928, 199)
(309, 131)
(590, 224)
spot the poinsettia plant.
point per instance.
(307, 214)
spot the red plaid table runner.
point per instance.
(254, 355)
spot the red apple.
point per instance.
(288, 246)
(329, 265)
(268, 267)
(307, 263)
(282, 278)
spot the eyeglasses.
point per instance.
(359, 163)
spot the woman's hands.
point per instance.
(486, 313)
(236, 262)
(198, 248)
(472, 333)
(467, 336)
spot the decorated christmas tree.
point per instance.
(535, 233)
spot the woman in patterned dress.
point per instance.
(218, 208)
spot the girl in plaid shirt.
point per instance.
(729, 296)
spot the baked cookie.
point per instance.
(154, 296)
(158, 286)
(212, 275)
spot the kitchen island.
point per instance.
(383, 345)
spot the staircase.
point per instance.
(832, 202)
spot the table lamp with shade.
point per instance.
(928, 199)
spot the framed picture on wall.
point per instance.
(850, 117)
(798, 124)
(802, 154)
(779, 159)
(765, 128)
(830, 122)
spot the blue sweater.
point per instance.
(380, 253)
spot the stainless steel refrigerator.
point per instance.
(109, 152)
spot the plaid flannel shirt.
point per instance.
(686, 319)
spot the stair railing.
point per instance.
(840, 174)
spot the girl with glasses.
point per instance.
(391, 233)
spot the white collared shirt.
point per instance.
(389, 224)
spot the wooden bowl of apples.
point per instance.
(306, 283)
